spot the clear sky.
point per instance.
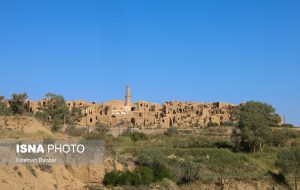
(204, 50)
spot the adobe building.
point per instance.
(147, 114)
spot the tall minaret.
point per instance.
(127, 97)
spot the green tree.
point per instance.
(289, 162)
(17, 103)
(58, 111)
(4, 109)
(254, 120)
(76, 114)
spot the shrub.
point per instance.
(278, 138)
(172, 131)
(4, 109)
(42, 116)
(56, 126)
(185, 171)
(287, 125)
(140, 176)
(156, 161)
(168, 184)
(151, 158)
(212, 124)
(17, 103)
(145, 174)
(228, 123)
(161, 172)
(112, 178)
(136, 136)
(289, 162)
(223, 144)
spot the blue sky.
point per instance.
(204, 51)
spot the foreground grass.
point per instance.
(212, 152)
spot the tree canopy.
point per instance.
(17, 103)
(254, 120)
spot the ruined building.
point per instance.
(147, 114)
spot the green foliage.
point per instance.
(145, 176)
(156, 161)
(140, 176)
(4, 109)
(185, 171)
(253, 126)
(42, 116)
(151, 158)
(58, 111)
(228, 124)
(76, 114)
(212, 124)
(289, 162)
(287, 125)
(17, 103)
(56, 125)
(171, 131)
(112, 178)
(278, 137)
(137, 136)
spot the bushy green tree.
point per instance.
(112, 178)
(76, 114)
(4, 109)
(289, 162)
(58, 111)
(156, 161)
(254, 120)
(17, 103)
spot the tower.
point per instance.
(127, 97)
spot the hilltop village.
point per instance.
(146, 114)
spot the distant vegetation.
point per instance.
(257, 149)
